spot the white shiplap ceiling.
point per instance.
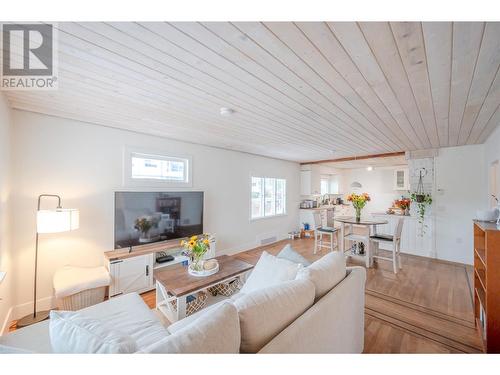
(300, 91)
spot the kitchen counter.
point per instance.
(319, 208)
(392, 215)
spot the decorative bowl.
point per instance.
(487, 215)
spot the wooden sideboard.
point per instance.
(132, 271)
(487, 284)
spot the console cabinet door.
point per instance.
(131, 275)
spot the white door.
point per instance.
(131, 275)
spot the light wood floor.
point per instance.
(425, 308)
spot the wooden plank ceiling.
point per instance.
(300, 91)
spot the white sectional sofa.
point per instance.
(305, 315)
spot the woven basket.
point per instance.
(226, 289)
(196, 305)
(83, 299)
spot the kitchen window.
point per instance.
(268, 197)
(325, 186)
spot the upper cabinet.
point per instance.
(401, 179)
(310, 181)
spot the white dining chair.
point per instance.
(319, 231)
(392, 240)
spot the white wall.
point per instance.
(379, 183)
(83, 163)
(459, 191)
(6, 263)
(491, 155)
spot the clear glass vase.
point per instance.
(197, 263)
(358, 213)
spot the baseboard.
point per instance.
(24, 309)
(6, 322)
(249, 246)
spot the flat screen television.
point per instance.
(147, 217)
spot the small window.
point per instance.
(147, 169)
(325, 186)
(159, 167)
(268, 197)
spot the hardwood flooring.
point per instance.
(426, 308)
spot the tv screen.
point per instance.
(147, 217)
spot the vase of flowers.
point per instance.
(195, 249)
(404, 204)
(358, 202)
(143, 224)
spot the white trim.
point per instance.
(6, 322)
(23, 309)
(129, 182)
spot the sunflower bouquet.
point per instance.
(195, 248)
(358, 202)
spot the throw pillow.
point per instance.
(325, 273)
(217, 331)
(269, 271)
(266, 312)
(290, 254)
(70, 332)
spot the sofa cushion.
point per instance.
(215, 332)
(325, 273)
(71, 332)
(290, 254)
(269, 271)
(266, 312)
(129, 314)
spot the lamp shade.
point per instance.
(59, 220)
(356, 184)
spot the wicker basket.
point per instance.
(196, 305)
(83, 299)
(226, 289)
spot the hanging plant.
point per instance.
(422, 201)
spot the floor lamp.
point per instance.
(49, 221)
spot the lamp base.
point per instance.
(32, 319)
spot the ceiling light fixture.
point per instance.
(224, 111)
(369, 168)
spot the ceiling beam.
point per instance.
(373, 156)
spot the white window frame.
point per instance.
(129, 181)
(263, 198)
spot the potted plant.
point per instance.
(195, 248)
(143, 224)
(403, 204)
(358, 202)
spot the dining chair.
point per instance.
(392, 240)
(319, 231)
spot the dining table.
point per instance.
(348, 222)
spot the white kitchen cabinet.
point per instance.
(310, 181)
(401, 179)
(133, 274)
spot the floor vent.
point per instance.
(267, 241)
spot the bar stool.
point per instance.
(394, 241)
(319, 231)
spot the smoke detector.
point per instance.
(224, 111)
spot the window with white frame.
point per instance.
(268, 197)
(159, 167)
(325, 185)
